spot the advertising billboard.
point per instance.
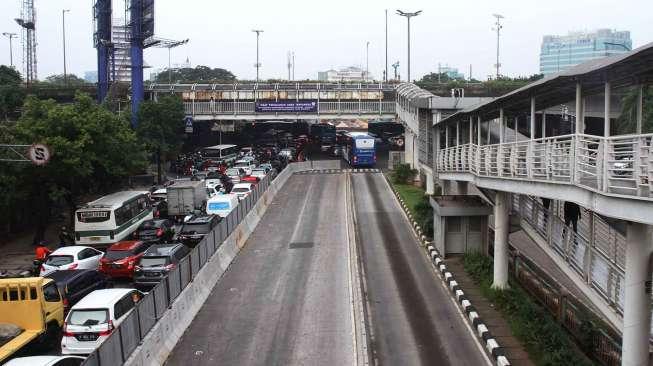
(286, 106)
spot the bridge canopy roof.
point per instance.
(620, 70)
(415, 95)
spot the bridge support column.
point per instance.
(637, 307)
(501, 230)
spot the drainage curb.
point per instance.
(491, 345)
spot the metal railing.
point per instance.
(621, 165)
(331, 107)
(117, 348)
(596, 252)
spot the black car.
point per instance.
(75, 284)
(193, 230)
(156, 262)
(155, 230)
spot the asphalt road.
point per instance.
(413, 318)
(286, 299)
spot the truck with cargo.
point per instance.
(185, 197)
(31, 311)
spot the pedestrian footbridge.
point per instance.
(583, 135)
(260, 101)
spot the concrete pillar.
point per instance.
(430, 184)
(408, 147)
(516, 128)
(640, 109)
(580, 120)
(471, 129)
(502, 127)
(446, 137)
(478, 131)
(544, 123)
(606, 110)
(533, 118)
(501, 230)
(637, 306)
(458, 133)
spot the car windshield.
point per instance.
(149, 225)
(232, 172)
(259, 171)
(59, 260)
(154, 261)
(115, 255)
(240, 190)
(199, 228)
(241, 163)
(88, 317)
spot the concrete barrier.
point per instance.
(162, 338)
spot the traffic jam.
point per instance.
(126, 242)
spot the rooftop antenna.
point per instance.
(498, 27)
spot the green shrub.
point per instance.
(546, 341)
(424, 216)
(403, 174)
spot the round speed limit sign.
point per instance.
(39, 154)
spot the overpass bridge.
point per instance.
(265, 101)
(580, 136)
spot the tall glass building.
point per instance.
(561, 52)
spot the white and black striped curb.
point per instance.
(491, 344)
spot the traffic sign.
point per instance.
(188, 121)
(39, 154)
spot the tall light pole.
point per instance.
(258, 64)
(11, 47)
(386, 46)
(367, 60)
(293, 65)
(408, 16)
(498, 27)
(63, 27)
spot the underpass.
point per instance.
(290, 298)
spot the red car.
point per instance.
(249, 179)
(121, 258)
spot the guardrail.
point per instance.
(621, 165)
(238, 107)
(118, 347)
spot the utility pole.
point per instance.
(439, 73)
(470, 72)
(289, 64)
(385, 75)
(258, 64)
(63, 26)
(498, 27)
(395, 66)
(293, 65)
(408, 16)
(11, 47)
(367, 61)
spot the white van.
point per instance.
(92, 320)
(221, 204)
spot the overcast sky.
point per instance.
(333, 34)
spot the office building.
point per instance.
(561, 52)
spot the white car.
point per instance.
(242, 190)
(245, 165)
(46, 361)
(213, 183)
(73, 257)
(259, 173)
(92, 320)
(159, 195)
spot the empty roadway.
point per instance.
(285, 300)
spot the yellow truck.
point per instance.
(31, 310)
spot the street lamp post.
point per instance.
(258, 64)
(367, 60)
(408, 16)
(498, 29)
(11, 48)
(63, 26)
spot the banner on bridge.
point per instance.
(287, 106)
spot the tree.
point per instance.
(12, 94)
(160, 127)
(92, 151)
(198, 74)
(69, 80)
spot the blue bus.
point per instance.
(359, 149)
